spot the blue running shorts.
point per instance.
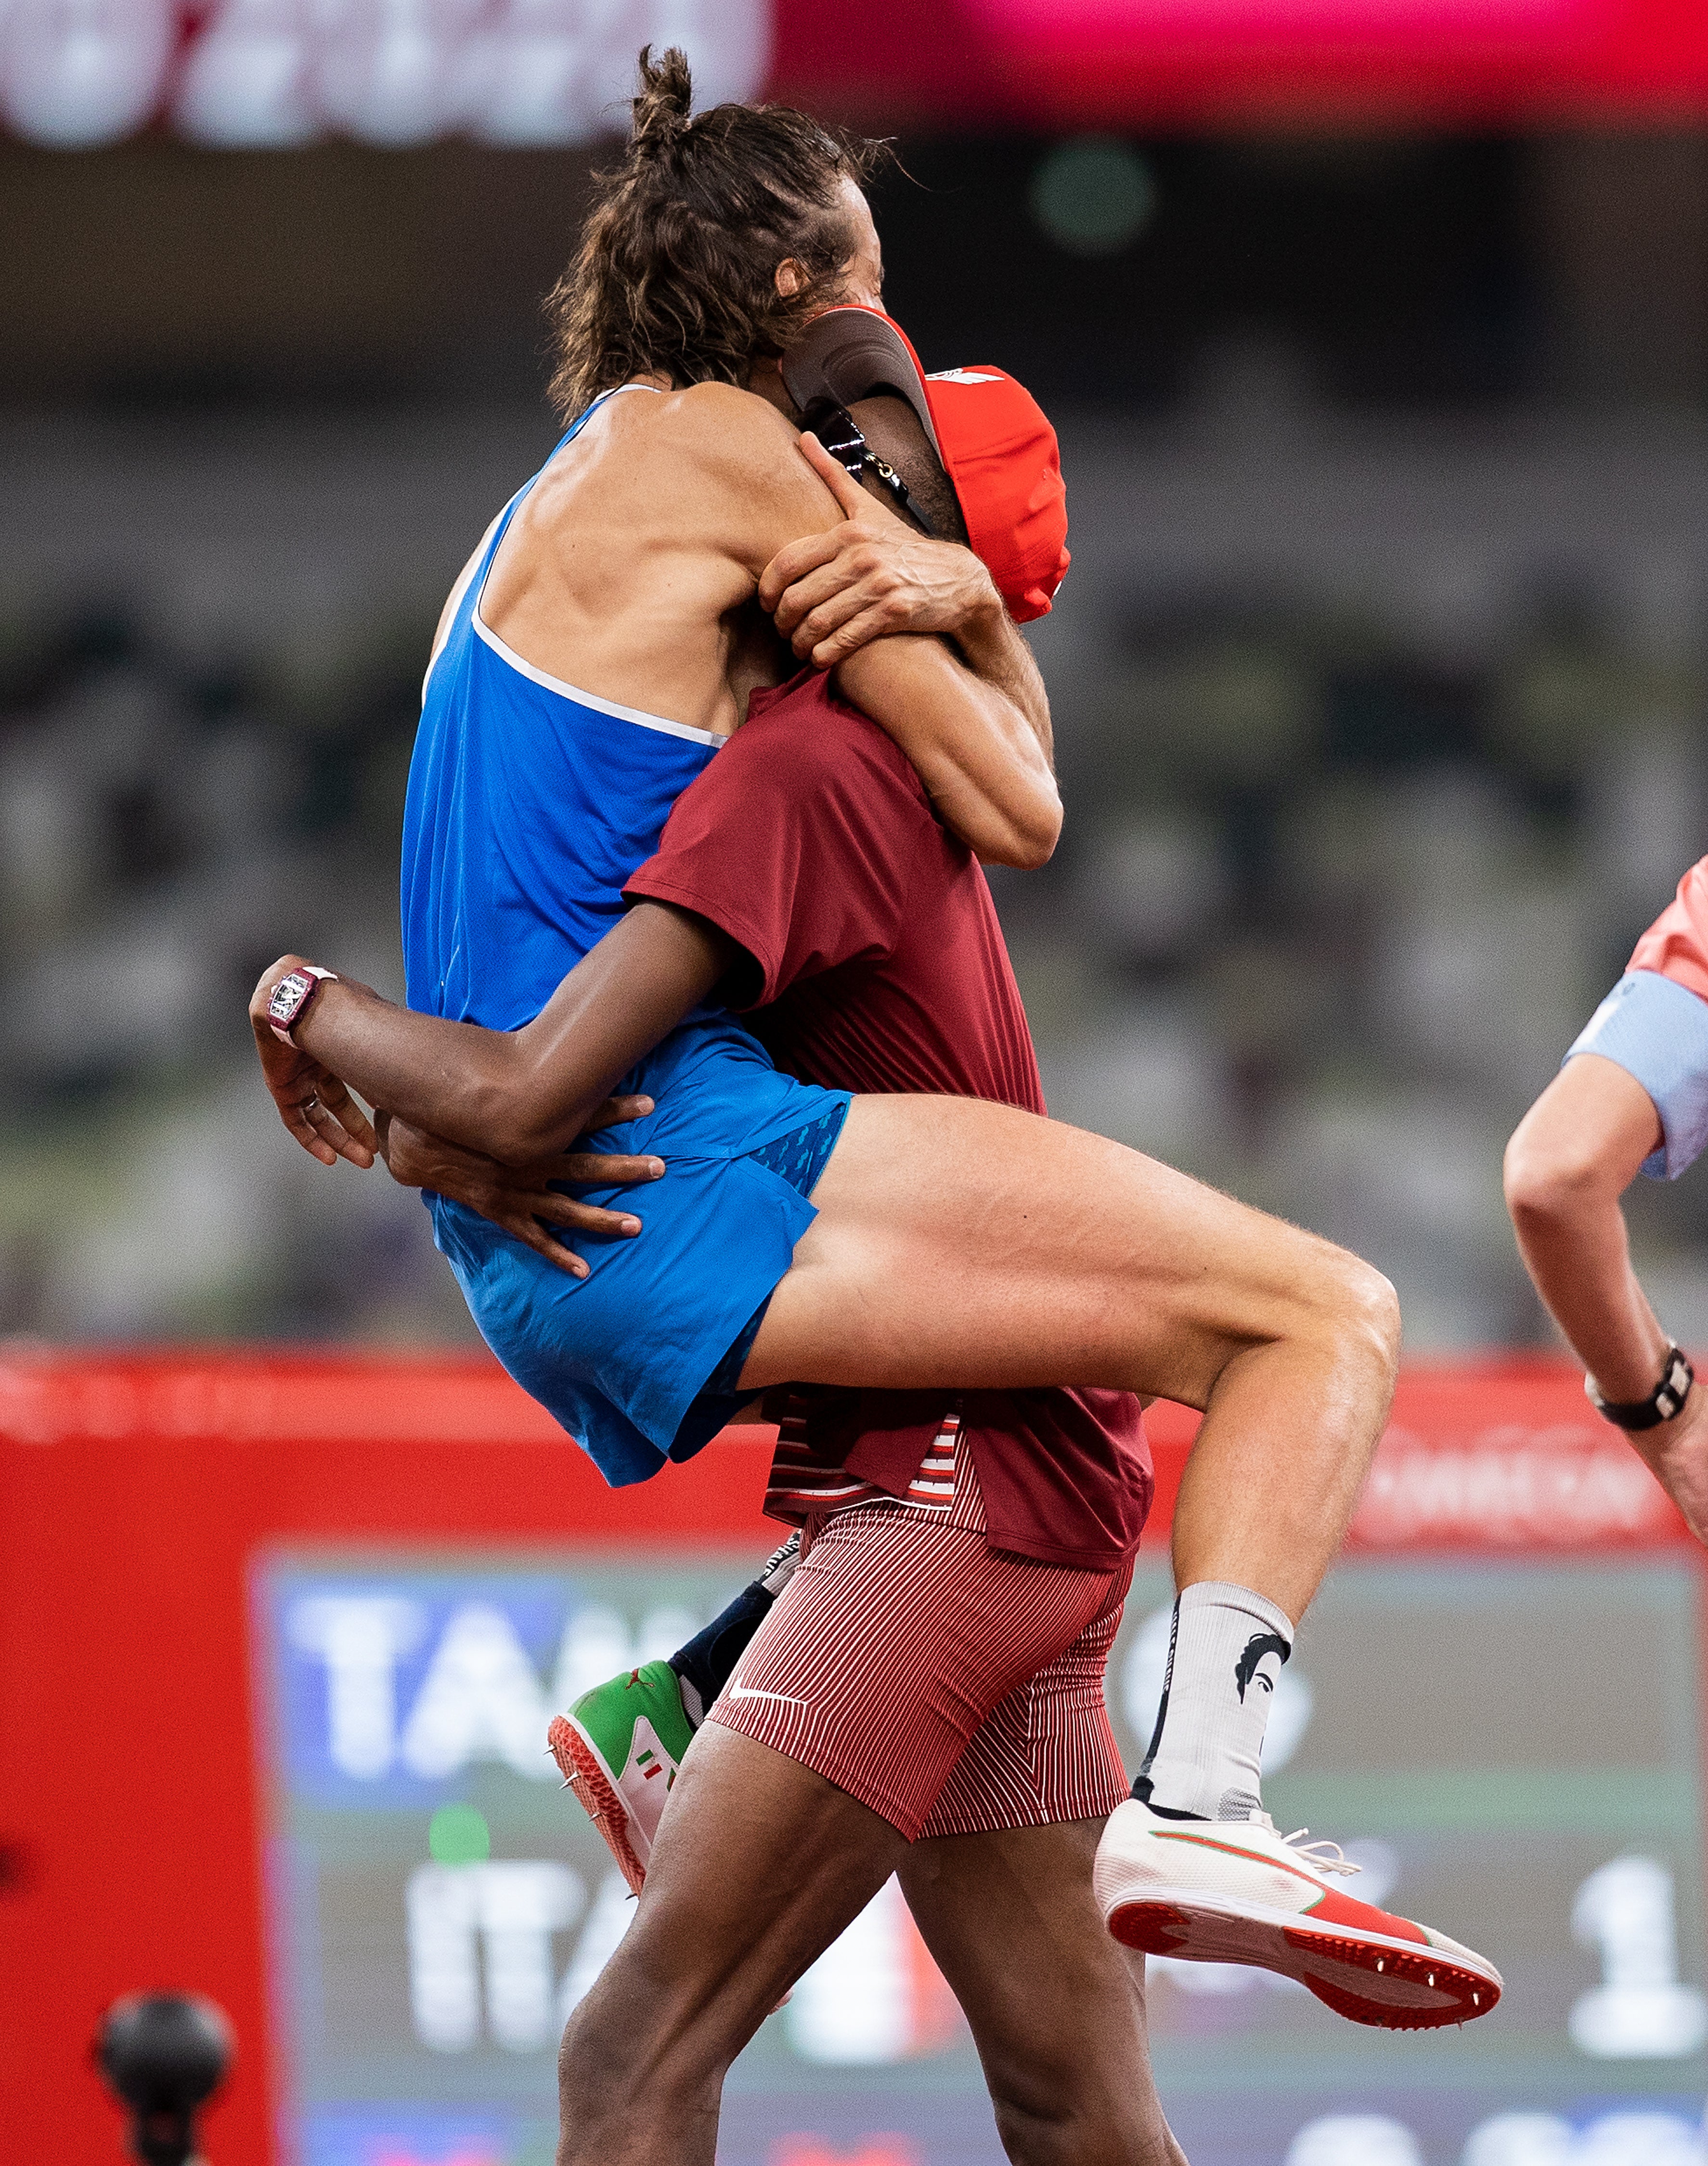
(639, 1361)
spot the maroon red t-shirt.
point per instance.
(878, 965)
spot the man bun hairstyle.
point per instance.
(676, 272)
(662, 111)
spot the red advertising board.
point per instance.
(271, 74)
(138, 1493)
(1078, 64)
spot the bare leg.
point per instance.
(971, 1246)
(1057, 2008)
(759, 1864)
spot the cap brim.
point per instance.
(848, 353)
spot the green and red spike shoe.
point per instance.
(620, 1748)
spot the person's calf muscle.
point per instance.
(969, 1245)
(1272, 1480)
(759, 1864)
(1057, 2009)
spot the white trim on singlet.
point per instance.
(550, 683)
(588, 699)
(465, 579)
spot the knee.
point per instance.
(627, 2064)
(605, 2067)
(1361, 1310)
(1067, 2114)
(1083, 2135)
(591, 2074)
(1380, 1313)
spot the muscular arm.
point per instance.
(996, 652)
(974, 723)
(832, 593)
(991, 785)
(517, 1095)
(1569, 1161)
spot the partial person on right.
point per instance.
(1631, 1097)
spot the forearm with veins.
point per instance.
(520, 1095)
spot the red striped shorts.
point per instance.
(951, 1688)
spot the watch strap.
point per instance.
(304, 982)
(1666, 1400)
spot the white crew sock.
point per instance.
(1223, 1663)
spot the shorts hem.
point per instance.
(1060, 1812)
(820, 1752)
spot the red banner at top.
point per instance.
(1125, 64)
(275, 73)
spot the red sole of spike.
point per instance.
(593, 1792)
(1468, 1994)
(1393, 1989)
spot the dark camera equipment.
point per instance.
(839, 433)
(164, 2054)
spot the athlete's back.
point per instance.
(627, 567)
(590, 662)
(532, 798)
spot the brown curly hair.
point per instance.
(676, 272)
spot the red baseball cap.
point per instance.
(994, 439)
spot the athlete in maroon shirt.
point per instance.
(861, 942)
(872, 959)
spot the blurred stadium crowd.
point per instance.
(1382, 721)
(1370, 783)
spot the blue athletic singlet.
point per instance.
(530, 803)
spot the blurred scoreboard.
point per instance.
(1511, 1750)
(1496, 1706)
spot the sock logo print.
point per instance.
(1205, 1751)
(1245, 1670)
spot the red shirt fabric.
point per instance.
(1676, 945)
(878, 965)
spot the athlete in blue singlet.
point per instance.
(530, 803)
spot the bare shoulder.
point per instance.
(746, 455)
(721, 422)
(709, 470)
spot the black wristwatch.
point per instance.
(1667, 1398)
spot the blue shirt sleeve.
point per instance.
(1656, 1030)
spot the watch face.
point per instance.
(287, 996)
